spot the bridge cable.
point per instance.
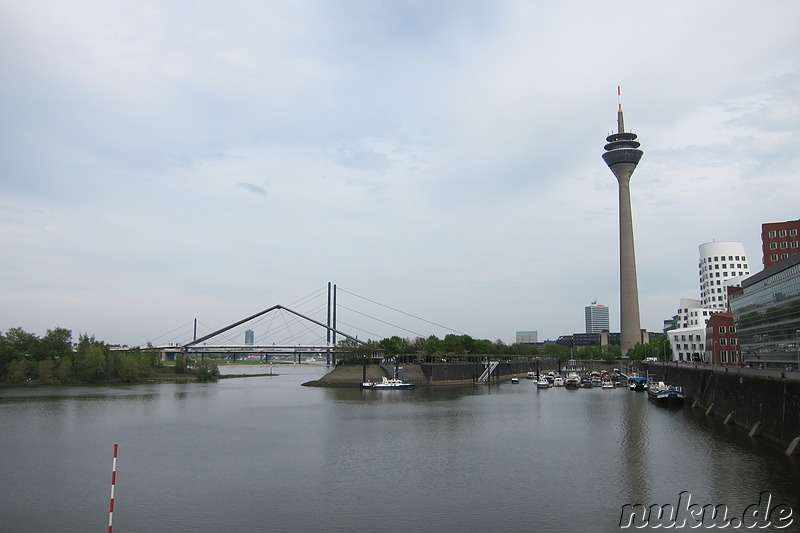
(402, 312)
(383, 321)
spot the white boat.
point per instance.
(515, 379)
(608, 384)
(573, 381)
(531, 375)
(543, 383)
(389, 384)
(558, 381)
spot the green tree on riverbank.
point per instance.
(54, 358)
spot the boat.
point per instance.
(663, 394)
(530, 375)
(558, 381)
(515, 379)
(573, 366)
(607, 384)
(388, 384)
(543, 383)
(637, 383)
(573, 381)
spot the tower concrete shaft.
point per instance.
(622, 155)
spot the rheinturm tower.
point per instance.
(622, 155)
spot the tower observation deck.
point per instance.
(622, 155)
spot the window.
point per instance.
(784, 245)
(723, 341)
(732, 329)
(722, 329)
(734, 341)
(793, 233)
(784, 256)
(793, 244)
(723, 356)
(782, 233)
(772, 234)
(773, 246)
(773, 257)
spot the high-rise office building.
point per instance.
(527, 337)
(249, 336)
(596, 318)
(622, 155)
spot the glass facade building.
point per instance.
(596, 318)
(767, 315)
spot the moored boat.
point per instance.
(573, 381)
(558, 381)
(664, 394)
(515, 379)
(637, 383)
(388, 384)
(543, 383)
(607, 384)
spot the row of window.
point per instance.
(722, 258)
(774, 257)
(725, 274)
(784, 245)
(723, 356)
(782, 233)
(725, 265)
(690, 337)
(729, 329)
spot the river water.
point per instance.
(265, 454)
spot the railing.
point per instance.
(488, 372)
(395, 372)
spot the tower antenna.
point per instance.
(620, 121)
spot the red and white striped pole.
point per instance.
(113, 483)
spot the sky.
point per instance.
(162, 162)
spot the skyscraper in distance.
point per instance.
(596, 318)
(622, 155)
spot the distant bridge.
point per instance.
(201, 347)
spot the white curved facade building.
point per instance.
(721, 265)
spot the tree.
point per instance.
(21, 342)
(206, 370)
(181, 364)
(127, 367)
(57, 343)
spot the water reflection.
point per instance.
(264, 451)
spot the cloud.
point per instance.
(252, 188)
(442, 158)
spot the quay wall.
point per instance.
(765, 405)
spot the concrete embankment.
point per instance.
(763, 404)
(425, 374)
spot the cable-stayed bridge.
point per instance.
(310, 327)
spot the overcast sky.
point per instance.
(165, 161)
